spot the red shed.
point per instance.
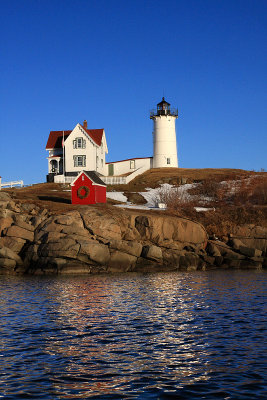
(88, 188)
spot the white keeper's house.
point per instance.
(83, 149)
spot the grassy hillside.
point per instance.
(242, 200)
(176, 176)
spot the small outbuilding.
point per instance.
(88, 188)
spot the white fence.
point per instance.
(108, 180)
(10, 184)
(62, 179)
(114, 180)
(123, 180)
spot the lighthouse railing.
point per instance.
(171, 111)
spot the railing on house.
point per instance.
(108, 180)
(62, 179)
(123, 180)
(114, 180)
(10, 184)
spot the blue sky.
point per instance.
(110, 62)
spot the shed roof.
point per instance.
(92, 175)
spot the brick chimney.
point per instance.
(85, 124)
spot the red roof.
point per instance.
(95, 134)
(55, 137)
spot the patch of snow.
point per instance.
(153, 196)
(232, 186)
(139, 207)
(199, 209)
(118, 196)
(132, 206)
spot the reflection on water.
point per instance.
(174, 335)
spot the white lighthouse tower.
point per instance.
(164, 136)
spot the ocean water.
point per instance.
(182, 335)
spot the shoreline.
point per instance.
(92, 239)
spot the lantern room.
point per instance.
(163, 108)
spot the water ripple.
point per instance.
(134, 336)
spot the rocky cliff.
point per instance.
(96, 239)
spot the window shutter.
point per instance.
(84, 143)
(74, 144)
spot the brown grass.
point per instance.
(208, 188)
(246, 206)
(55, 197)
(252, 191)
(175, 176)
(224, 220)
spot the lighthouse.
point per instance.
(164, 136)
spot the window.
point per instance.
(79, 143)
(79, 161)
(132, 164)
(168, 160)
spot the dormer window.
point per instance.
(79, 143)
